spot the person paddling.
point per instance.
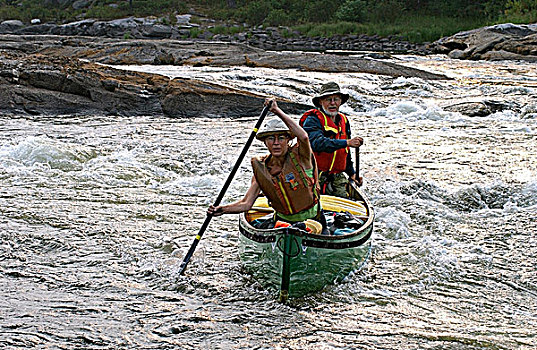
(287, 176)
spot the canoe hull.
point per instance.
(311, 261)
(311, 268)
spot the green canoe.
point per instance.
(295, 261)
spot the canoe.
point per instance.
(295, 261)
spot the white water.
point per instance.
(89, 208)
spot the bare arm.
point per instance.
(301, 134)
(239, 206)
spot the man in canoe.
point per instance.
(330, 137)
(287, 176)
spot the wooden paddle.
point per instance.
(223, 190)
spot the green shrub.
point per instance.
(278, 17)
(319, 11)
(253, 14)
(195, 32)
(415, 20)
(352, 11)
(521, 11)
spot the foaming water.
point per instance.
(97, 213)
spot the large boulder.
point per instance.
(39, 85)
(498, 42)
(11, 26)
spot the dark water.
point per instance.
(90, 208)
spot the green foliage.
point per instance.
(411, 28)
(425, 28)
(494, 9)
(255, 13)
(61, 11)
(320, 11)
(225, 30)
(353, 11)
(195, 32)
(105, 13)
(415, 20)
(278, 17)
(327, 30)
(386, 11)
(521, 11)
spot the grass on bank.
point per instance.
(414, 28)
(408, 26)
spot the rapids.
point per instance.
(93, 210)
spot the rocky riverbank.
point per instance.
(499, 42)
(62, 69)
(281, 39)
(69, 75)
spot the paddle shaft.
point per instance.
(223, 190)
(357, 161)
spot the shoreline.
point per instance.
(44, 74)
(270, 38)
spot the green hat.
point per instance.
(328, 89)
(273, 127)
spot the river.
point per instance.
(92, 210)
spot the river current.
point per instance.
(96, 214)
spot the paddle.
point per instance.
(223, 190)
(357, 161)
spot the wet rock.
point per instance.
(192, 98)
(59, 75)
(480, 108)
(67, 86)
(35, 84)
(498, 42)
(529, 111)
(11, 26)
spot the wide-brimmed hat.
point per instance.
(273, 127)
(328, 89)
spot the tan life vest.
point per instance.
(291, 191)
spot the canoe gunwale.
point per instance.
(257, 235)
(349, 240)
(318, 241)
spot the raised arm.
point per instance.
(293, 126)
(301, 134)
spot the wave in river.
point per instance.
(97, 213)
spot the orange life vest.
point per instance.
(335, 162)
(291, 191)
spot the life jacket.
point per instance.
(335, 162)
(292, 190)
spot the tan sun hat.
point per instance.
(328, 89)
(273, 127)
